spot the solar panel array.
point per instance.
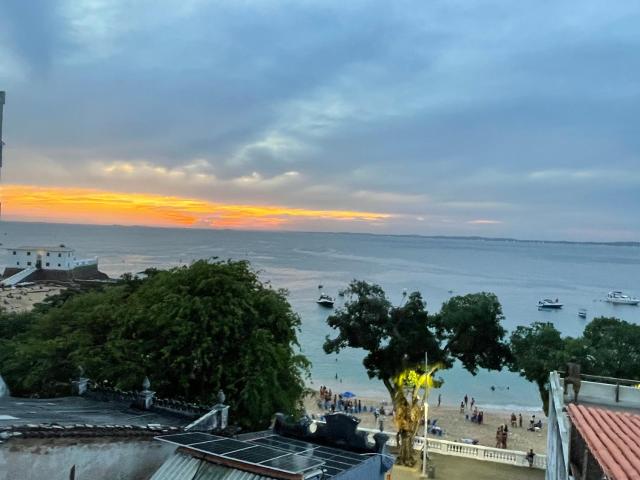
(272, 452)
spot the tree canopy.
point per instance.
(191, 330)
(467, 328)
(608, 347)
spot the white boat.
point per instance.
(549, 304)
(618, 297)
(582, 313)
(325, 300)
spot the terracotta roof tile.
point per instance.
(612, 437)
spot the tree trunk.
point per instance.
(544, 396)
(407, 419)
(407, 455)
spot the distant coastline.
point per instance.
(612, 243)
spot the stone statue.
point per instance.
(146, 383)
(221, 397)
(572, 377)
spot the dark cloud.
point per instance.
(448, 111)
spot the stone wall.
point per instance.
(103, 457)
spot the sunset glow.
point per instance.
(26, 202)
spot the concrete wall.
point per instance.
(22, 259)
(94, 458)
(605, 394)
(557, 432)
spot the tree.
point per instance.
(611, 348)
(396, 338)
(192, 330)
(537, 350)
(608, 347)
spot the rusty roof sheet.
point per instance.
(612, 437)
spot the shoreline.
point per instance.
(455, 425)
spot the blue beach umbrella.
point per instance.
(348, 395)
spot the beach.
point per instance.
(455, 424)
(22, 299)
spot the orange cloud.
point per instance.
(79, 205)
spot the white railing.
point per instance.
(466, 450)
(85, 261)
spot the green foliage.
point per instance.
(608, 347)
(537, 350)
(468, 328)
(192, 330)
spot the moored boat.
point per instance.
(325, 300)
(620, 298)
(549, 304)
(582, 313)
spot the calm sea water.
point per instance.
(520, 273)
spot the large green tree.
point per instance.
(468, 329)
(537, 350)
(191, 330)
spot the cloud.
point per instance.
(438, 110)
(484, 222)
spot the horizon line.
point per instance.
(612, 243)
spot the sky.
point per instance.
(494, 118)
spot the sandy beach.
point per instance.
(23, 299)
(455, 425)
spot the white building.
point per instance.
(46, 258)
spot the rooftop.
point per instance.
(613, 437)
(265, 455)
(66, 411)
(45, 248)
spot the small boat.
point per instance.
(325, 300)
(582, 313)
(620, 298)
(549, 304)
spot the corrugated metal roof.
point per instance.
(185, 467)
(612, 437)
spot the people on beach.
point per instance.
(499, 437)
(514, 420)
(462, 407)
(520, 420)
(466, 401)
(439, 399)
(473, 401)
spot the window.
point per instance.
(58, 264)
(28, 264)
(17, 263)
(47, 264)
(59, 255)
(14, 252)
(28, 253)
(47, 254)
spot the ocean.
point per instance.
(518, 272)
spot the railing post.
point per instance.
(617, 392)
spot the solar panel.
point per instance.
(294, 463)
(189, 438)
(342, 453)
(256, 454)
(331, 472)
(272, 452)
(221, 447)
(280, 445)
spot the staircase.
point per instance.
(18, 277)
